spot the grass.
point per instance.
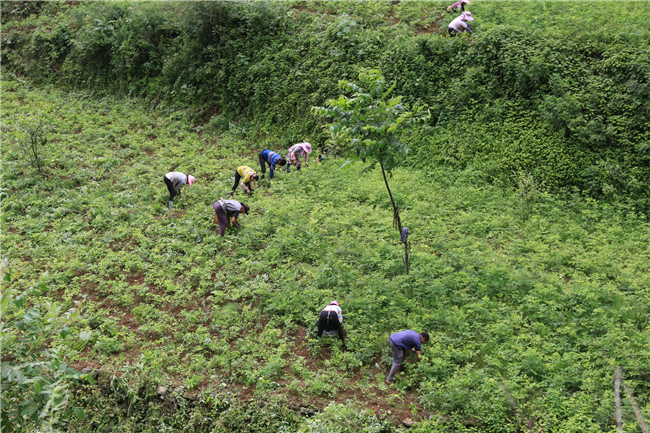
(532, 308)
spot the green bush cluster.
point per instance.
(559, 90)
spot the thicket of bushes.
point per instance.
(566, 99)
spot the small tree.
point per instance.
(32, 130)
(370, 123)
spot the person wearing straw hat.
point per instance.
(246, 175)
(174, 181)
(330, 321)
(295, 152)
(459, 4)
(459, 24)
(226, 213)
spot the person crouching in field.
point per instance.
(246, 175)
(272, 159)
(174, 181)
(294, 154)
(459, 24)
(226, 212)
(324, 153)
(330, 321)
(459, 4)
(399, 343)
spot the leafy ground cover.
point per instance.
(531, 301)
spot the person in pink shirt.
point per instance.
(459, 4)
(295, 152)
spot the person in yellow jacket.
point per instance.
(246, 175)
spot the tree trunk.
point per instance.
(397, 222)
(617, 399)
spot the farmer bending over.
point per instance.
(226, 212)
(294, 154)
(459, 24)
(459, 4)
(399, 343)
(246, 175)
(323, 154)
(174, 181)
(329, 321)
(272, 159)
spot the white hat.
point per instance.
(466, 16)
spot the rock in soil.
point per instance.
(408, 422)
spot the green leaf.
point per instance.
(28, 411)
(79, 412)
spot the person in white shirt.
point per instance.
(459, 24)
(174, 181)
(330, 321)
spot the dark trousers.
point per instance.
(221, 217)
(170, 187)
(263, 162)
(452, 32)
(329, 321)
(237, 179)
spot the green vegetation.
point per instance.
(526, 195)
(34, 390)
(542, 299)
(556, 89)
(368, 123)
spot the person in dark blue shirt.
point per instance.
(272, 159)
(399, 343)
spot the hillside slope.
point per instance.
(529, 312)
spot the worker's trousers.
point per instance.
(398, 359)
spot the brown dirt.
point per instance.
(390, 402)
(431, 29)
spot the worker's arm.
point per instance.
(234, 221)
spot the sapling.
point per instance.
(33, 129)
(370, 123)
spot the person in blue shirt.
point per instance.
(272, 159)
(399, 343)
